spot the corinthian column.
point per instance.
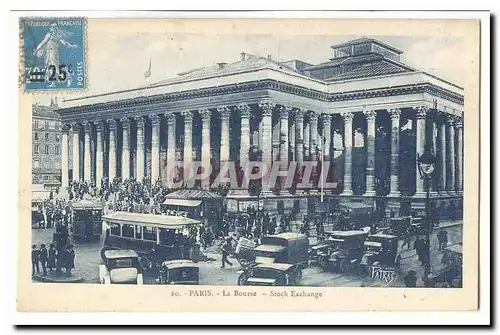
(307, 140)
(348, 117)
(459, 174)
(205, 144)
(112, 150)
(299, 135)
(188, 144)
(87, 168)
(139, 174)
(283, 154)
(326, 120)
(224, 113)
(244, 111)
(99, 157)
(171, 145)
(125, 148)
(155, 147)
(267, 108)
(65, 157)
(370, 164)
(313, 118)
(75, 127)
(442, 156)
(395, 115)
(450, 120)
(421, 113)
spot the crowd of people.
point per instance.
(52, 259)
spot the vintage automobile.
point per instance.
(275, 274)
(285, 248)
(178, 272)
(381, 250)
(344, 250)
(120, 267)
(450, 275)
(156, 238)
(356, 215)
(86, 222)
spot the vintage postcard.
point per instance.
(249, 164)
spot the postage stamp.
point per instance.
(53, 53)
(260, 169)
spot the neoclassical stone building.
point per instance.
(364, 110)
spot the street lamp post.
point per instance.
(426, 166)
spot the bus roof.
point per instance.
(289, 236)
(123, 253)
(345, 233)
(159, 221)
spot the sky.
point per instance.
(117, 61)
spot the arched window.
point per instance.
(36, 163)
(47, 150)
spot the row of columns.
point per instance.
(302, 137)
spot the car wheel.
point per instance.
(323, 261)
(241, 279)
(298, 276)
(397, 262)
(343, 265)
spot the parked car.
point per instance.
(180, 271)
(381, 250)
(120, 267)
(344, 251)
(275, 274)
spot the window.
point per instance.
(37, 124)
(58, 137)
(36, 136)
(138, 232)
(115, 229)
(149, 233)
(36, 149)
(46, 124)
(47, 137)
(47, 150)
(56, 150)
(46, 177)
(36, 164)
(128, 230)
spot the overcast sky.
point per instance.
(117, 62)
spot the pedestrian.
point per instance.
(51, 260)
(411, 279)
(44, 255)
(406, 238)
(70, 262)
(418, 248)
(442, 236)
(426, 257)
(35, 259)
(226, 250)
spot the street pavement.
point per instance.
(87, 262)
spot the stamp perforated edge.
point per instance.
(21, 56)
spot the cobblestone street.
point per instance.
(87, 261)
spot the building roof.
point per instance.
(367, 40)
(371, 70)
(45, 111)
(251, 63)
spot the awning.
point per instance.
(182, 202)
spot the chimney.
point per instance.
(221, 65)
(269, 57)
(243, 56)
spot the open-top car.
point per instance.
(181, 271)
(381, 250)
(275, 274)
(120, 267)
(344, 251)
